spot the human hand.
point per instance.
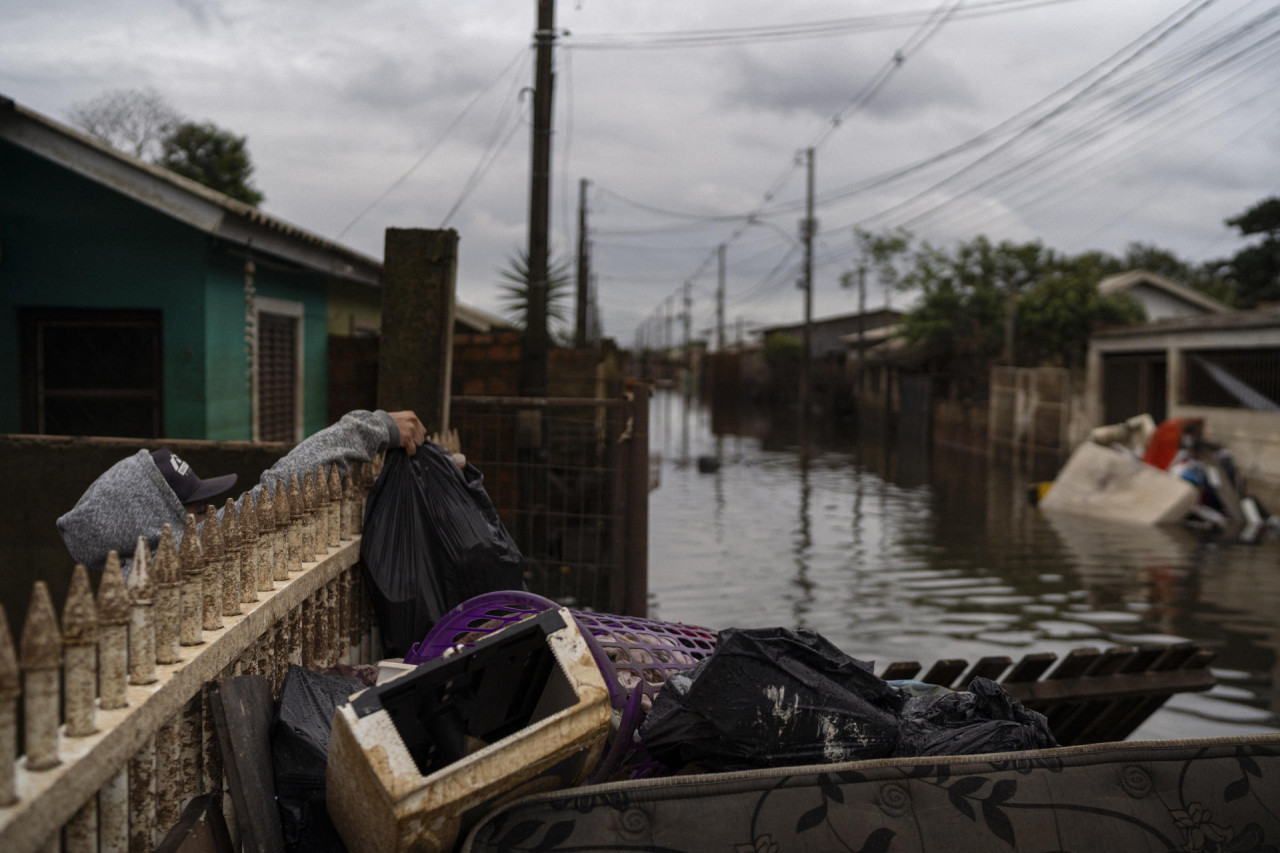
(412, 432)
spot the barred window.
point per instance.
(1234, 378)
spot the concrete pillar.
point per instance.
(415, 360)
(1175, 379)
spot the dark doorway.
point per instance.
(1134, 383)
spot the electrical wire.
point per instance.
(725, 37)
(523, 53)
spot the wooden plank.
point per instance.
(1030, 668)
(200, 829)
(945, 672)
(242, 711)
(900, 670)
(992, 667)
(1097, 724)
(1186, 659)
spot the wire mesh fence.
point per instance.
(558, 470)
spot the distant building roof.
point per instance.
(1232, 321)
(1167, 295)
(481, 321)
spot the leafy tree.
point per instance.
(515, 292)
(959, 321)
(1058, 313)
(215, 157)
(1255, 270)
(135, 121)
(882, 255)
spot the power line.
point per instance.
(725, 37)
(522, 53)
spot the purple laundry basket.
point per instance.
(630, 652)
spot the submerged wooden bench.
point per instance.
(1091, 696)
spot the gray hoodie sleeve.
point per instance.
(357, 437)
(132, 499)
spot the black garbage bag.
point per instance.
(773, 697)
(299, 751)
(983, 719)
(432, 540)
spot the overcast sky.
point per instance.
(1090, 123)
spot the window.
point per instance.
(91, 372)
(1234, 378)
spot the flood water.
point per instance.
(907, 552)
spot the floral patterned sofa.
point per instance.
(1219, 794)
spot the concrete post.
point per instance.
(280, 506)
(191, 562)
(10, 689)
(113, 636)
(211, 546)
(142, 617)
(249, 542)
(233, 551)
(168, 599)
(295, 525)
(40, 657)
(415, 361)
(335, 507)
(80, 655)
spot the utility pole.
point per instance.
(584, 269)
(807, 229)
(720, 303)
(862, 324)
(688, 322)
(533, 360)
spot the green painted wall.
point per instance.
(66, 242)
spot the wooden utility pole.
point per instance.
(584, 270)
(687, 316)
(720, 302)
(807, 229)
(533, 359)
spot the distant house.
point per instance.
(135, 302)
(1224, 368)
(832, 336)
(1161, 298)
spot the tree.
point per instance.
(880, 254)
(135, 121)
(1255, 270)
(1058, 313)
(215, 157)
(515, 292)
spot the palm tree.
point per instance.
(515, 292)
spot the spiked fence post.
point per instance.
(113, 812)
(191, 566)
(267, 529)
(262, 550)
(211, 546)
(142, 617)
(10, 689)
(347, 511)
(168, 599)
(142, 797)
(281, 545)
(40, 658)
(295, 524)
(80, 655)
(249, 542)
(232, 549)
(322, 512)
(113, 636)
(335, 507)
(308, 518)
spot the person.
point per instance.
(142, 493)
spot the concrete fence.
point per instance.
(113, 697)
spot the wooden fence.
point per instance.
(270, 585)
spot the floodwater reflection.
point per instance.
(916, 553)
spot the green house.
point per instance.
(135, 302)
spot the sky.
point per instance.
(1083, 124)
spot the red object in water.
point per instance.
(1165, 442)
